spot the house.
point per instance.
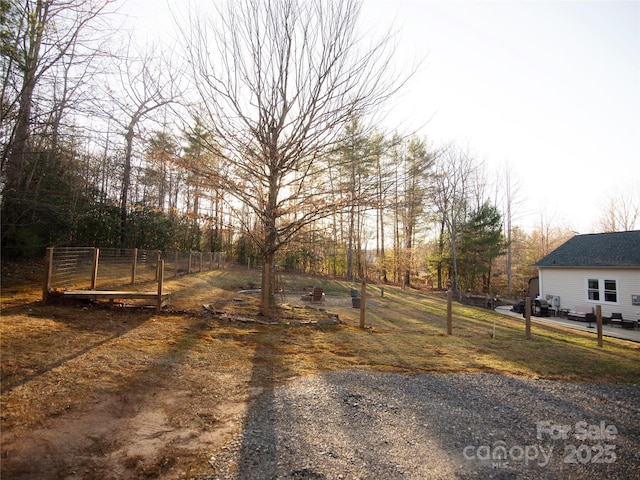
(594, 269)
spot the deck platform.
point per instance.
(115, 294)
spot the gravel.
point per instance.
(364, 425)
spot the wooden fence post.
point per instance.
(177, 264)
(599, 323)
(48, 270)
(190, 258)
(363, 300)
(94, 271)
(527, 316)
(449, 312)
(200, 262)
(158, 257)
(160, 272)
(134, 266)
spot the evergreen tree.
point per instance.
(481, 240)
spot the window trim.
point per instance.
(595, 291)
(602, 291)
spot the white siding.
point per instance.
(571, 285)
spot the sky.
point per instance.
(550, 90)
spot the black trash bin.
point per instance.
(540, 308)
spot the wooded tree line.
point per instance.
(256, 137)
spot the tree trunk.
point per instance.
(19, 145)
(350, 242)
(441, 252)
(380, 235)
(509, 251)
(454, 256)
(382, 252)
(267, 299)
(126, 181)
(407, 259)
(270, 244)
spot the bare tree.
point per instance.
(510, 201)
(48, 52)
(622, 212)
(145, 83)
(279, 80)
(452, 176)
(42, 36)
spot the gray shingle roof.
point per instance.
(617, 249)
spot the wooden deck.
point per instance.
(115, 294)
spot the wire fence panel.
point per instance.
(72, 267)
(147, 265)
(76, 268)
(176, 263)
(114, 267)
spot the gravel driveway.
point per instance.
(363, 425)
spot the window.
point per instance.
(610, 291)
(605, 290)
(593, 289)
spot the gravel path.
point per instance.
(363, 425)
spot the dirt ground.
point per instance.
(104, 392)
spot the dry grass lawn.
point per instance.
(98, 391)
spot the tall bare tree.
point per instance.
(279, 80)
(39, 37)
(451, 196)
(145, 84)
(49, 48)
(622, 211)
(511, 202)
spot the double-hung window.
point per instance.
(610, 291)
(593, 289)
(602, 290)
